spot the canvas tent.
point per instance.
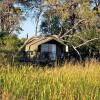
(37, 48)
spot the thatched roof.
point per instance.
(36, 41)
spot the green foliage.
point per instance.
(69, 13)
(54, 28)
(84, 36)
(60, 16)
(9, 42)
(9, 45)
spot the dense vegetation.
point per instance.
(9, 46)
(77, 22)
(71, 82)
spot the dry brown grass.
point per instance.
(70, 82)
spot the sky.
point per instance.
(28, 27)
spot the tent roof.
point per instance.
(36, 41)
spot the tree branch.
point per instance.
(75, 50)
(87, 42)
(72, 28)
(76, 37)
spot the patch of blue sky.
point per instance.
(28, 27)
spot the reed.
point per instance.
(69, 82)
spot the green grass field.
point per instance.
(70, 82)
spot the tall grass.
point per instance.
(70, 82)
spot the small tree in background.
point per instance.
(9, 46)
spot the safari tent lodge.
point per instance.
(43, 49)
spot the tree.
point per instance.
(35, 6)
(9, 16)
(9, 46)
(54, 28)
(78, 21)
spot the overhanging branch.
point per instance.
(87, 42)
(75, 49)
(72, 28)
